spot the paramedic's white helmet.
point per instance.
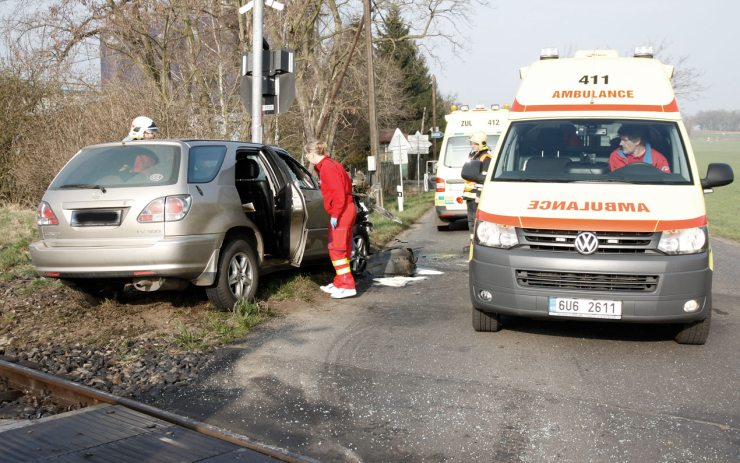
(480, 138)
(140, 125)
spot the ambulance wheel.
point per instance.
(237, 277)
(694, 333)
(485, 321)
(442, 225)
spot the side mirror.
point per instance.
(471, 171)
(718, 174)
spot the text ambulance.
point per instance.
(593, 207)
(462, 122)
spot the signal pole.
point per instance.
(257, 17)
(257, 35)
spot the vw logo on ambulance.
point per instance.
(586, 243)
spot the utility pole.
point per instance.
(434, 116)
(371, 100)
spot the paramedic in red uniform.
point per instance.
(634, 148)
(336, 187)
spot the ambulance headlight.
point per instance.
(495, 235)
(687, 241)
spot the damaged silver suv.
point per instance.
(170, 213)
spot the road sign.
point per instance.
(437, 134)
(400, 148)
(419, 143)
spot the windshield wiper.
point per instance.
(88, 186)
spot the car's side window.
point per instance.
(204, 163)
(298, 174)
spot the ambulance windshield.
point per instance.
(596, 150)
(457, 149)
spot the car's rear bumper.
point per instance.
(180, 256)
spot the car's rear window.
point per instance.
(131, 165)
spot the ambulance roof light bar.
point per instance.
(463, 107)
(549, 53)
(495, 107)
(643, 52)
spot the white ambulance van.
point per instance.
(593, 208)
(461, 123)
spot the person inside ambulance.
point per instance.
(471, 190)
(336, 187)
(634, 148)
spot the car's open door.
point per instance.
(298, 220)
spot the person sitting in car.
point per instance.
(634, 148)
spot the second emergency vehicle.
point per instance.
(593, 206)
(462, 122)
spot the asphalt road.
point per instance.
(398, 374)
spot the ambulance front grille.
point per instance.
(609, 242)
(587, 281)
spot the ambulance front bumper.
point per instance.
(523, 283)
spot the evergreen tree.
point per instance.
(417, 83)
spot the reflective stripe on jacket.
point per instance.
(472, 190)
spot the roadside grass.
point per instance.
(414, 206)
(223, 327)
(723, 204)
(17, 230)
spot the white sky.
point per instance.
(510, 33)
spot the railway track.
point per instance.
(139, 423)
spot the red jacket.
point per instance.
(618, 159)
(336, 186)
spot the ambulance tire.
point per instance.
(695, 333)
(485, 321)
(442, 225)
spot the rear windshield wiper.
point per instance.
(88, 186)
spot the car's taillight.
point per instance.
(166, 209)
(440, 185)
(45, 216)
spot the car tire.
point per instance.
(360, 252)
(694, 333)
(237, 277)
(485, 321)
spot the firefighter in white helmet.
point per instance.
(142, 128)
(471, 192)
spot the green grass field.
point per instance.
(723, 205)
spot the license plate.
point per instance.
(587, 308)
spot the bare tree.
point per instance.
(686, 79)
